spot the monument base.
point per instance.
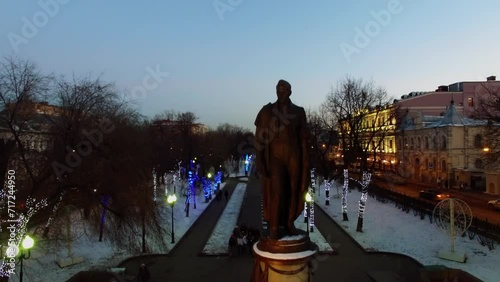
(290, 262)
(454, 256)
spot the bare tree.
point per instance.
(364, 116)
(323, 133)
(489, 109)
(21, 85)
(176, 139)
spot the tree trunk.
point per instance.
(143, 231)
(359, 227)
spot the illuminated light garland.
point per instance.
(190, 184)
(247, 164)
(54, 210)
(218, 180)
(154, 184)
(312, 190)
(328, 184)
(305, 212)
(206, 188)
(344, 193)
(364, 193)
(104, 201)
(20, 229)
(196, 179)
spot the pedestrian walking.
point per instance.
(219, 195)
(241, 244)
(232, 245)
(144, 275)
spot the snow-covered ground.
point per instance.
(386, 228)
(217, 243)
(42, 267)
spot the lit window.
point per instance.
(470, 101)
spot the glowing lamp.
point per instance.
(28, 242)
(308, 197)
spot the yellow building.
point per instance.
(375, 132)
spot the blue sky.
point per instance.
(224, 64)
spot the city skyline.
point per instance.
(222, 59)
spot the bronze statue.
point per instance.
(282, 160)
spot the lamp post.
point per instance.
(308, 201)
(26, 244)
(171, 201)
(210, 189)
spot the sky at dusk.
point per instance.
(222, 59)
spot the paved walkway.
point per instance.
(350, 263)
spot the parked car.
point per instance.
(432, 194)
(494, 204)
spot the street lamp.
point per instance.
(26, 244)
(308, 201)
(171, 201)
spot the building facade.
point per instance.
(466, 96)
(446, 149)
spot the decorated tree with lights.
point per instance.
(362, 202)
(345, 189)
(312, 192)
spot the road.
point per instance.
(476, 200)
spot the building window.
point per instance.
(418, 143)
(412, 144)
(470, 101)
(478, 164)
(390, 145)
(478, 141)
(426, 142)
(443, 143)
(430, 165)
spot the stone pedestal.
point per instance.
(286, 259)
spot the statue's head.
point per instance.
(283, 90)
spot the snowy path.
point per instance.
(387, 228)
(217, 243)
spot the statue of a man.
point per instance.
(282, 160)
